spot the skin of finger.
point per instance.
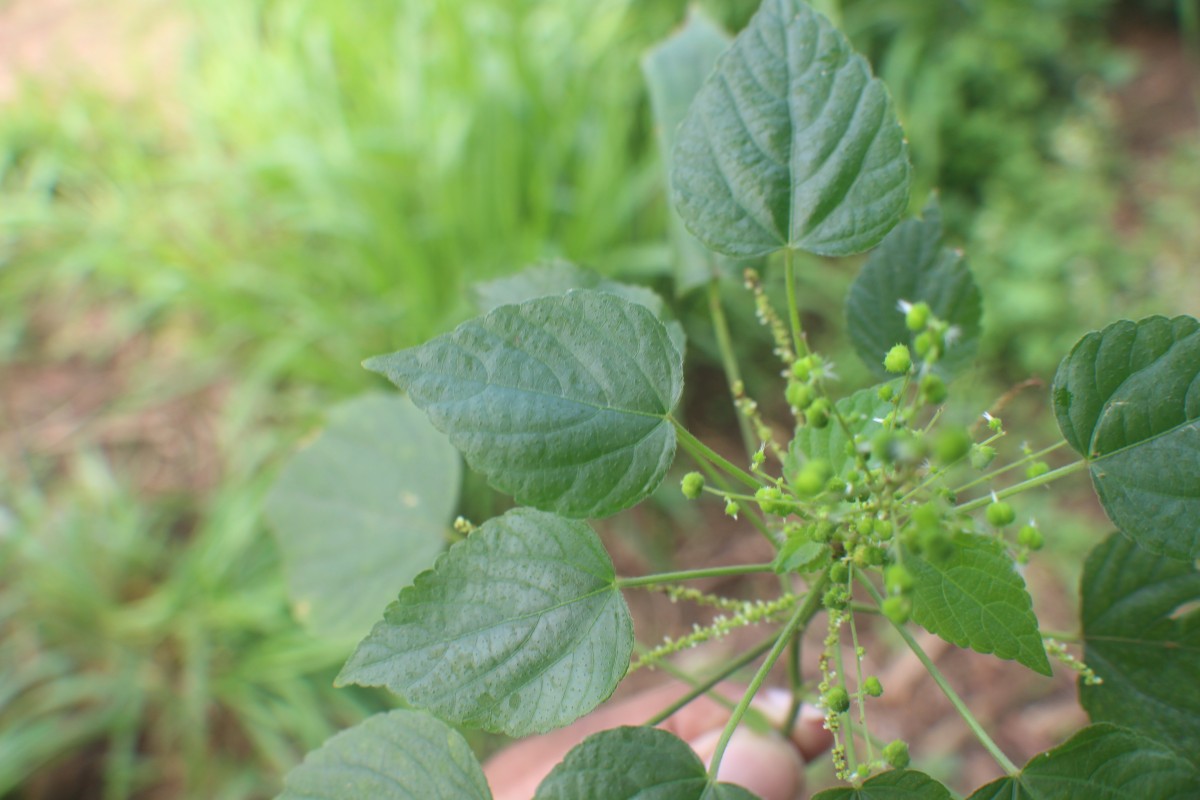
(765, 764)
(515, 772)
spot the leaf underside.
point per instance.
(399, 755)
(517, 629)
(1145, 651)
(361, 511)
(791, 142)
(633, 762)
(1128, 399)
(561, 401)
(897, 784)
(1100, 762)
(912, 265)
(975, 598)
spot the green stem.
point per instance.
(1008, 467)
(691, 575)
(798, 620)
(1072, 638)
(951, 695)
(789, 276)
(862, 700)
(729, 361)
(694, 445)
(1023, 486)
(719, 479)
(702, 687)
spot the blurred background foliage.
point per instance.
(195, 257)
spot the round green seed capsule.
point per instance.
(898, 359)
(1000, 514)
(692, 485)
(872, 686)
(896, 754)
(982, 455)
(952, 444)
(732, 509)
(897, 608)
(1029, 536)
(897, 579)
(837, 700)
(933, 388)
(818, 413)
(917, 317)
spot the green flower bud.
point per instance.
(982, 455)
(897, 579)
(1000, 514)
(933, 388)
(770, 499)
(823, 531)
(936, 544)
(799, 395)
(837, 700)
(818, 413)
(898, 360)
(923, 344)
(917, 316)
(897, 608)
(872, 686)
(952, 444)
(732, 509)
(836, 597)
(812, 477)
(802, 368)
(839, 572)
(1037, 469)
(692, 485)
(1029, 536)
(896, 754)
(886, 392)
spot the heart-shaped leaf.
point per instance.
(791, 142)
(1127, 398)
(518, 629)
(361, 511)
(634, 762)
(911, 265)
(896, 784)
(1101, 762)
(1148, 658)
(561, 401)
(974, 598)
(400, 755)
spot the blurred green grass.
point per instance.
(319, 183)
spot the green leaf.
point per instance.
(674, 71)
(633, 762)
(896, 784)
(560, 401)
(912, 265)
(559, 277)
(1140, 645)
(975, 598)
(400, 755)
(1127, 398)
(519, 628)
(1101, 762)
(791, 142)
(361, 511)
(862, 412)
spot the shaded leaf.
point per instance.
(633, 762)
(1127, 398)
(975, 598)
(560, 401)
(559, 277)
(791, 142)
(1101, 762)
(361, 511)
(674, 70)
(1148, 658)
(896, 784)
(912, 265)
(400, 755)
(862, 412)
(519, 628)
